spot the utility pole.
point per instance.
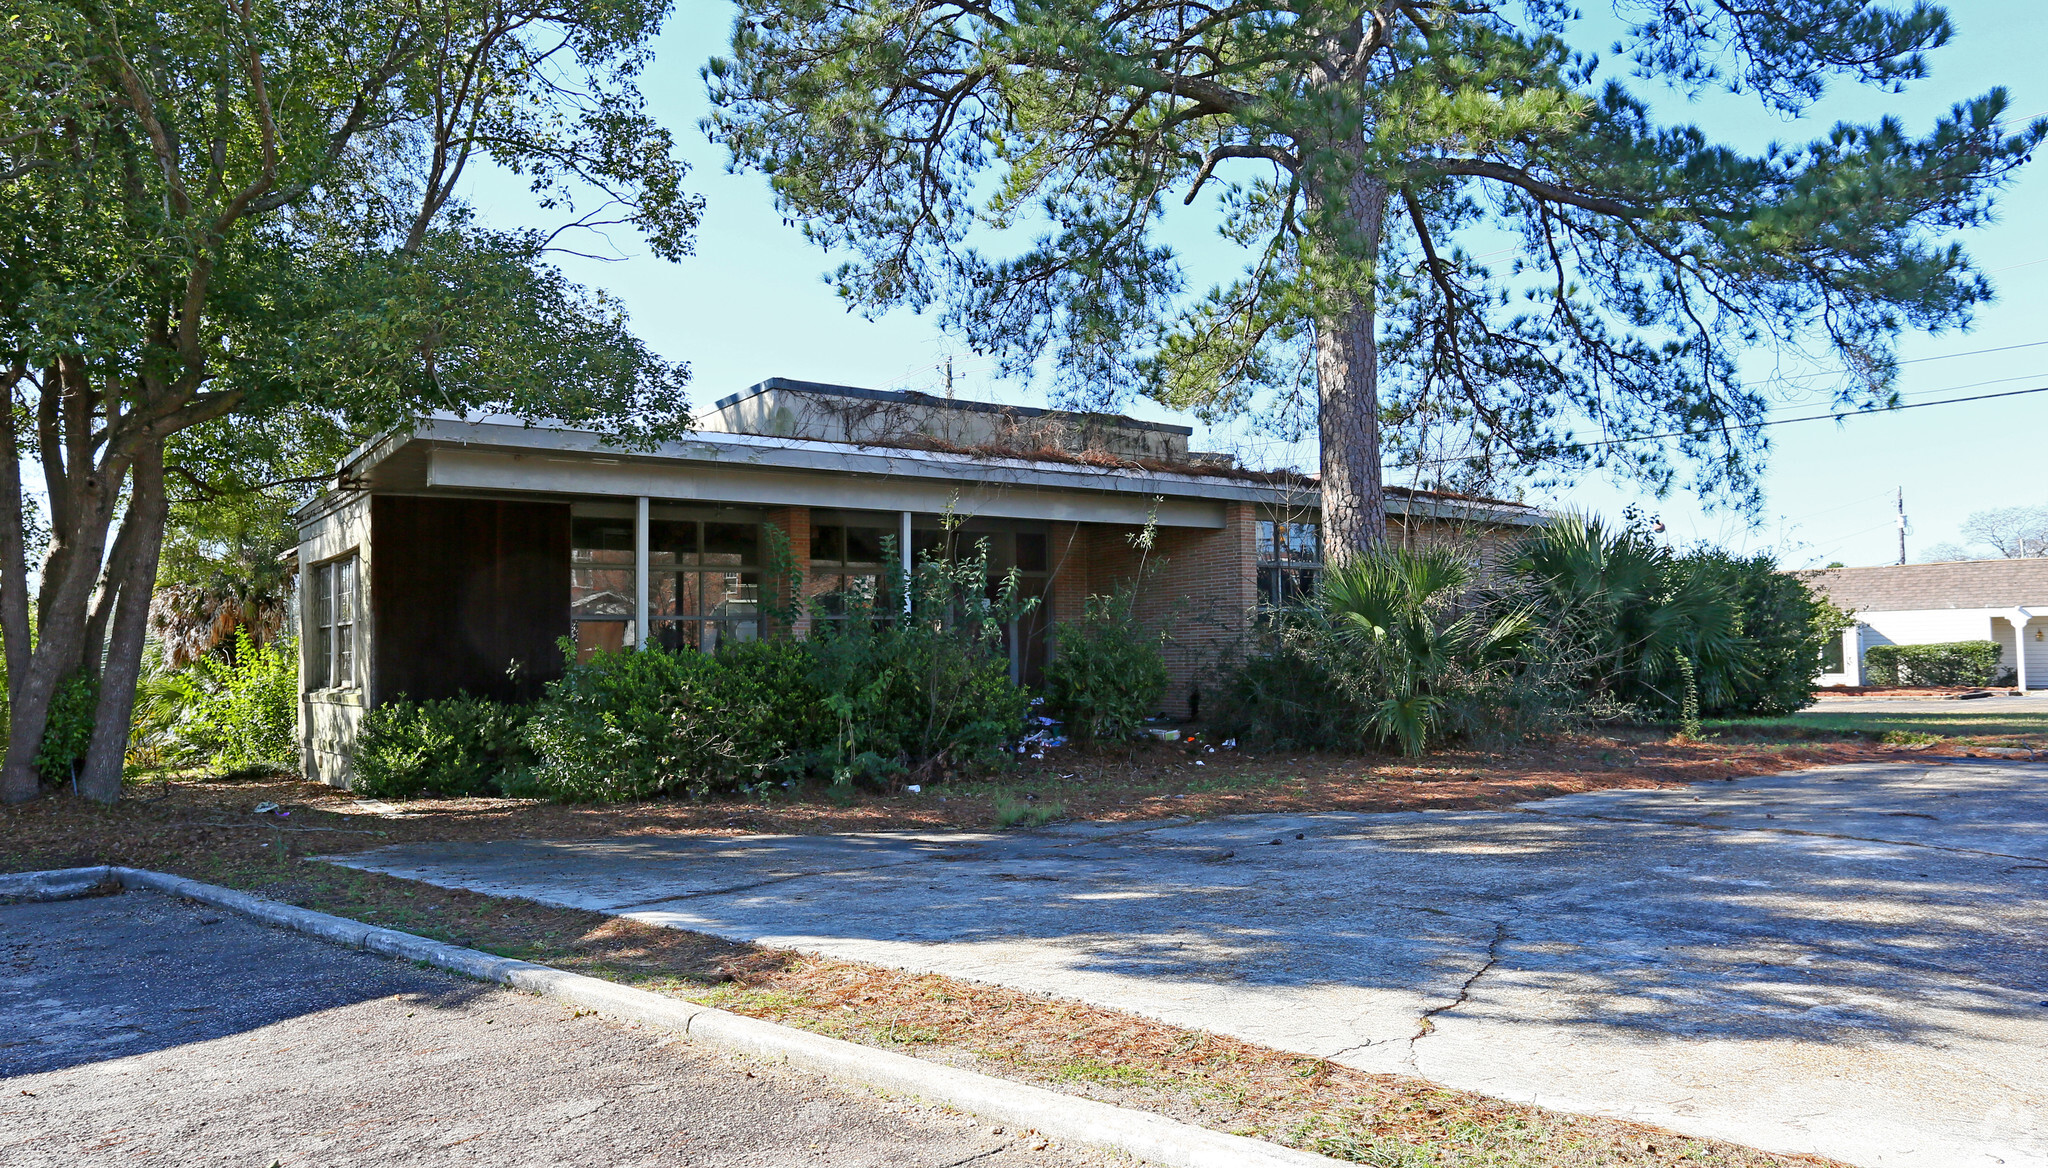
(1902, 525)
(949, 377)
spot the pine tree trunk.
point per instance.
(1347, 391)
(139, 545)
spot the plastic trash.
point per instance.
(263, 808)
(915, 788)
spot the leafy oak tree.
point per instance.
(225, 213)
(1358, 153)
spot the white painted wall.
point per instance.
(1936, 626)
(2036, 644)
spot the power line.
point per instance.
(1601, 445)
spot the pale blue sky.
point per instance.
(752, 305)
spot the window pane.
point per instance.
(671, 541)
(592, 635)
(675, 635)
(1302, 544)
(600, 592)
(1031, 552)
(863, 545)
(1268, 552)
(828, 544)
(344, 655)
(731, 594)
(601, 541)
(731, 544)
(672, 594)
(319, 663)
(925, 544)
(345, 591)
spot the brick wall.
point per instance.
(1200, 585)
(795, 525)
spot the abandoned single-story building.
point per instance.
(1927, 604)
(455, 556)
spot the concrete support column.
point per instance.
(640, 557)
(909, 564)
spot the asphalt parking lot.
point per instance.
(139, 1030)
(1850, 961)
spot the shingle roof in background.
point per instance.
(1921, 587)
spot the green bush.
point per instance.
(67, 734)
(456, 746)
(245, 713)
(1397, 648)
(1949, 663)
(1107, 673)
(872, 695)
(927, 691)
(1630, 617)
(633, 724)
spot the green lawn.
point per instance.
(1989, 727)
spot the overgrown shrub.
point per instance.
(455, 746)
(245, 712)
(1630, 613)
(633, 724)
(1107, 672)
(1396, 648)
(1783, 625)
(1948, 663)
(68, 732)
(926, 691)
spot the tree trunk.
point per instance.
(14, 631)
(132, 571)
(81, 508)
(1347, 382)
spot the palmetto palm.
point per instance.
(1404, 608)
(1633, 614)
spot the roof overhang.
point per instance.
(490, 457)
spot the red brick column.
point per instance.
(1069, 545)
(795, 525)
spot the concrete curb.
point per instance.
(1062, 1117)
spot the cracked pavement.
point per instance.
(1850, 961)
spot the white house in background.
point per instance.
(1925, 604)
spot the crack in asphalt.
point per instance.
(1835, 835)
(1426, 1024)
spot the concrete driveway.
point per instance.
(136, 1029)
(1850, 961)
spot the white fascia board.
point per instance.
(978, 496)
(992, 475)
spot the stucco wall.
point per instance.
(328, 718)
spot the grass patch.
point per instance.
(1992, 727)
(1011, 811)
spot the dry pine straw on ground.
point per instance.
(206, 830)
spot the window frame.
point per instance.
(1281, 575)
(336, 596)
